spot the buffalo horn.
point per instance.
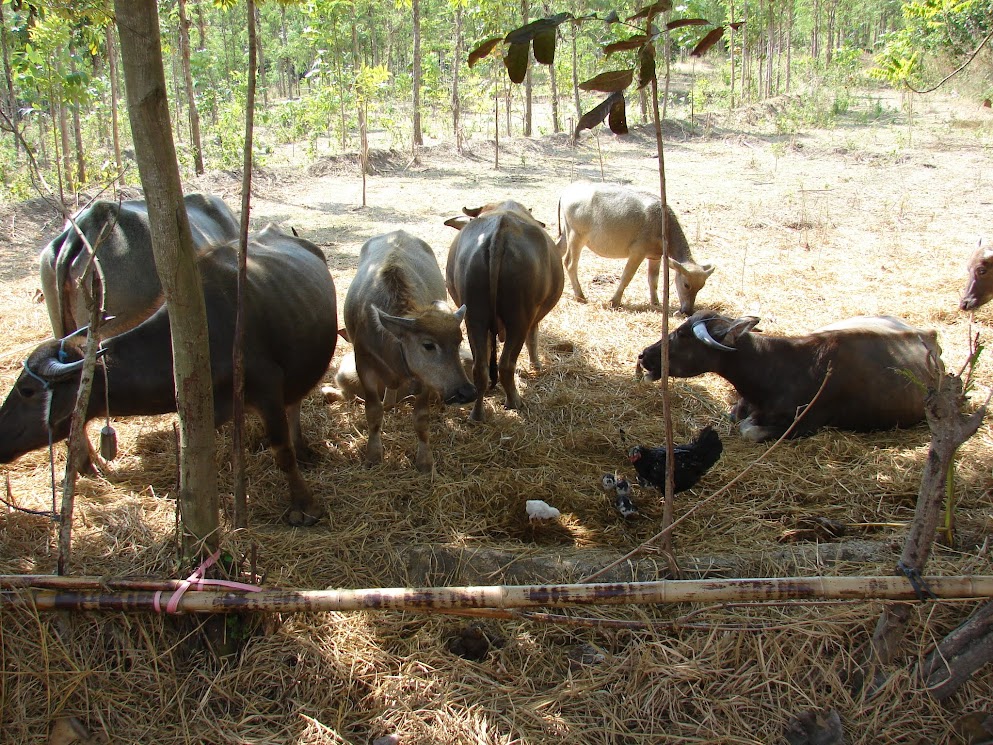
(52, 369)
(701, 332)
(460, 313)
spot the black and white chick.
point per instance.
(693, 460)
(621, 488)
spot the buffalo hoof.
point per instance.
(301, 518)
(308, 456)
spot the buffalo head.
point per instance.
(697, 346)
(42, 399)
(979, 289)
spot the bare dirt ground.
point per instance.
(874, 216)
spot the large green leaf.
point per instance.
(604, 109)
(516, 61)
(646, 65)
(529, 31)
(483, 50)
(632, 42)
(609, 82)
(544, 47)
(687, 22)
(659, 6)
(707, 42)
(618, 119)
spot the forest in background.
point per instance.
(323, 64)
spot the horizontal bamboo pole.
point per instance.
(507, 596)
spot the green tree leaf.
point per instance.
(483, 50)
(609, 82)
(516, 61)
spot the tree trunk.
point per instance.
(456, 66)
(789, 46)
(528, 85)
(418, 136)
(575, 72)
(949, 429)
(556, 123)
(263, 67)
(744, 51)
(115, 97)
(175, 262)
(77, 131)
(70, 182)
(201, 25)
(184, 50)
(238, 363)
(496, 122)
(731, 50)
(668, 505)
(10, 106)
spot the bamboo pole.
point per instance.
(506, 596)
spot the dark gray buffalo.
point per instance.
(122, 237)
(616, 222)
(404, 335)
(979, 289)
(291, 329)
(503, 266)
(776, 377)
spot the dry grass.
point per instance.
(850, 222)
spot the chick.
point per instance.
(620, 487)
(538, 510)
(623, 501)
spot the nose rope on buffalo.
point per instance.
(54, 514)
(108, 436)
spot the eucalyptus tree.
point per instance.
(172, 244)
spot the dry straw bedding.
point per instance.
(804, 230)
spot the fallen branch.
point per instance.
(959, 655)
(505, 596)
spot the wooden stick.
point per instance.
(506, 596)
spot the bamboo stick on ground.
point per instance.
(505, 596)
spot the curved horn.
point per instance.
(460, 313)
(701, 332)
(52, 369)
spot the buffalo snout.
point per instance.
(464, 394)
(650, 362)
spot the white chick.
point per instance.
(538, 510)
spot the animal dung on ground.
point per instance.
(693, 460)
(538, 510)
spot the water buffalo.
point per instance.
(404, 334)
(290, 322)
(776, 377)
(503, 266)
(122, 237)
(979, 290)
(616, 222)
(348, 387)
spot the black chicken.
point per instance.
(692, 461)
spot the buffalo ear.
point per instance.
(458, 222)
(394, 324)
(739, 328)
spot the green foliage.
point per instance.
(950, 27)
